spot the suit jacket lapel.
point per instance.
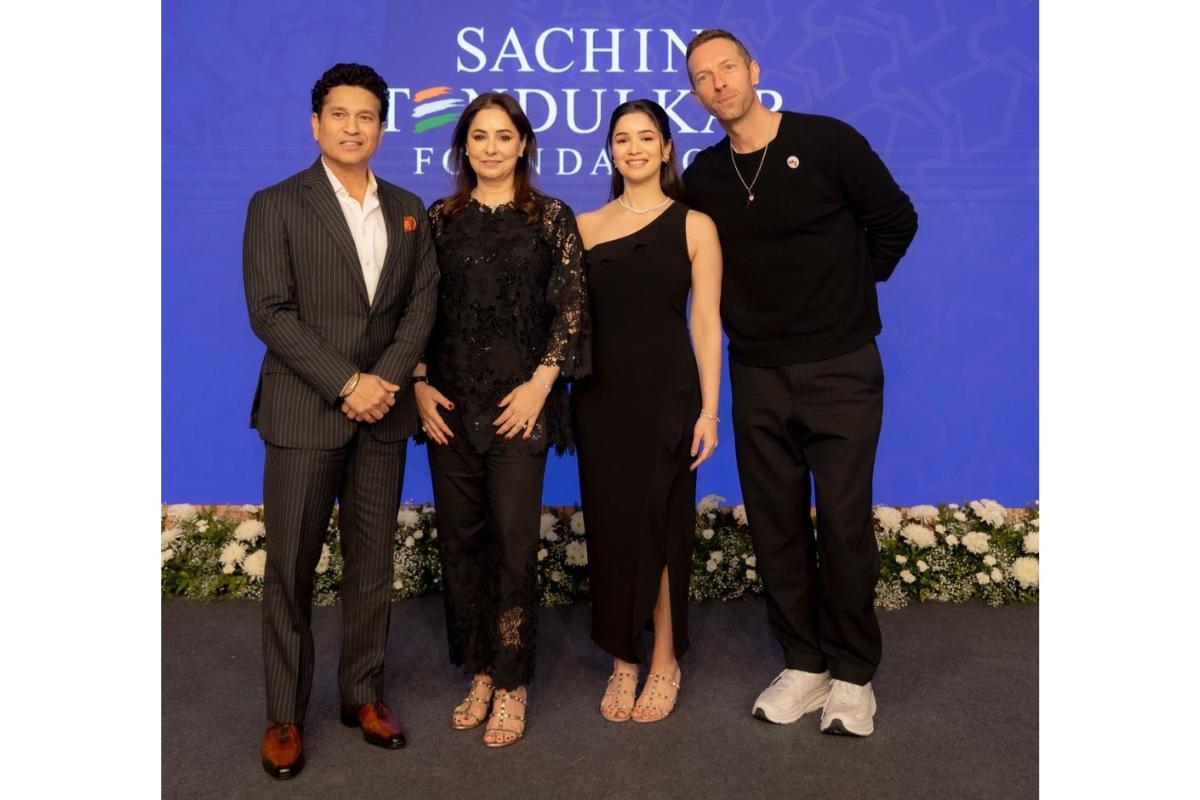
(324, 203)
(393, 220)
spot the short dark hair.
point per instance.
(707, 35)
(350, 75)
(668, 176)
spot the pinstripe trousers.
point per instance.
(299, 487)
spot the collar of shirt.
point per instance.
(370, 200)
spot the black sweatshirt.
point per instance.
(801, 261)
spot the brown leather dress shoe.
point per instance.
(379, 725)
(282, 750)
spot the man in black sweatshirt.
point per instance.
(809, 219)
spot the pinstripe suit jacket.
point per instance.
(308, 302)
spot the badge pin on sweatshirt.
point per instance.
(793, 162)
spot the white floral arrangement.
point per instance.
(944, 553)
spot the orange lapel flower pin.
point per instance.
(410, 223)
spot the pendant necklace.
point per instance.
(748, 187)
(621, 200)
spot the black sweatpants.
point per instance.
(821, 420)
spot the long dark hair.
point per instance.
(668, 174)
(525, 197)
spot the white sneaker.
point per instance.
(791, 695)
(850, 710)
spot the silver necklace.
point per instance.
(621, 200)
(750, 186)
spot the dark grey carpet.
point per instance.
(958, 714)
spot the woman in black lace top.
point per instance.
(512, 327)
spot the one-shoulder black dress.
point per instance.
(634, 424)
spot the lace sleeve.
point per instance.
(569, 345)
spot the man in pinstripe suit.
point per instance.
(341, 283)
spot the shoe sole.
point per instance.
(815, 702)
(837, 727)
(388, 744)
(283, 773)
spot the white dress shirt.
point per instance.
(366, 226)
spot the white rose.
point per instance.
(953, 506)
(925, 513)
(169, 536)
(576, 525)
(952, 540)
(997, 575)
(901, 560)
(960, 516)
(202, 525)
(1037, 523)
(1025, 571)
(1031, 542)
(427, 510)
(551, 536)
(989, 511)
(751, 561)
(542, 554)
(398, 584)
(889, 519)
(181, 512)
(249, 530)
(250, 508)
(577, 554)
(710, 565)
(976, 542)
(707, 533)
(990, 560)
(323, 563)
(918, 535)
(255, 564)
(228, 569)
(710, 502)
(717, 556)
(433, 533)
(418, 534)
(739, 514)
(922, 566)
(409, 541)
(407, 517)
(940, 528)
(167, 555)
(907, 576)
(547, 524)
(232, 554)
(982, 578)
(556, 576)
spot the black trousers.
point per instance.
(299, 487)
(489, 508)
(797, 426)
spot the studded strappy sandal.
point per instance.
(613, 694)
(503, 717)
(653, 698)
(463, 709)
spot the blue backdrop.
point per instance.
(947, 93)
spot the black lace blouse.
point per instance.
(512, 296)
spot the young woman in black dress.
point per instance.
(512, 326)
(648, 416)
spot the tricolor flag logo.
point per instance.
(430, 113)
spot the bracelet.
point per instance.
(350, 386)
(545, 385)
(713, 417)
(419, 378)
